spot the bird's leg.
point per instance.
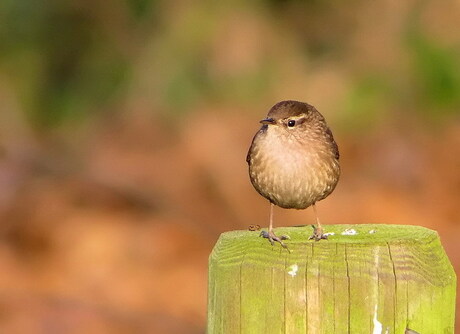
(270, 235)
(318, 232)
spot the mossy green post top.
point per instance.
(373, 279)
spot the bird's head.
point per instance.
(292, 115)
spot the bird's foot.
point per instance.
(318, 233)
(272, 237)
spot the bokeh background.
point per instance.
(124, 127)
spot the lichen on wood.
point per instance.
(363, 279)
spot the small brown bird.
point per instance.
(293, 161)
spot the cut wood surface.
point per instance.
(363, 279)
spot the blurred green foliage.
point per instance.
(436, 73)
(323, 27)
(59, 59)
(67, 60)
(185, 62)
(435, 69)
(365, 103)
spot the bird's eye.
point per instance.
(291, 123)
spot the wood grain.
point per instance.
(382, 279)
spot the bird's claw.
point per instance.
(272, 237)
(318, 234)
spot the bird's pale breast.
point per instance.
(292, 174)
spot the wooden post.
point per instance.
(371, 279)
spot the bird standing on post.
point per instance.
(293, 161)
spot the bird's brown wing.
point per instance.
(248, 156)
(335, 148)
(262, 129)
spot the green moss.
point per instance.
(382, 275)
(365, 233)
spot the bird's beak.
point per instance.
(268, 121)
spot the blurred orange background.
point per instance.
(124, 127)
